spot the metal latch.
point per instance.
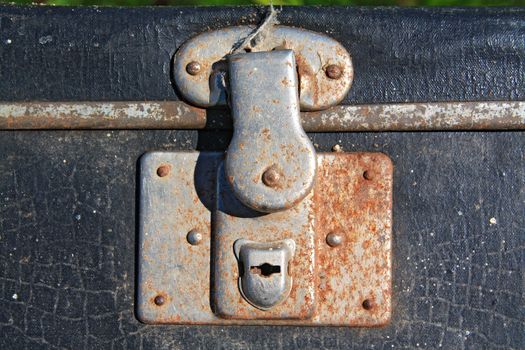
(270, 163)
(270, 232)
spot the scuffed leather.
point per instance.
(68, 198)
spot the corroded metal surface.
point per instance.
(267, 136)
(234, 221)
(352, 284)
(264, 280)
(169, 266)
(100, 115)
(178, 115)
(353, 197)
(314, 52)
(419, 117)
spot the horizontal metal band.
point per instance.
(100, 115)
(179, 115)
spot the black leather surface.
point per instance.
(67, 198)
(398, 54)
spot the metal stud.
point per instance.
(194, 237)
(271, 177)
(334, 239)
(333, 71)
(163, 170)
(193, 68)
(159, 300)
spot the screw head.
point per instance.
(159, 300)
(271, 177)
(194, 237)
(333, 71)
(163, 170)
(334, 239)
(193, 68)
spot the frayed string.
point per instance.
(259, 33)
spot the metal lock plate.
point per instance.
(179, 233)
(272, 232)
(324, 66)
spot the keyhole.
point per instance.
(265, 269)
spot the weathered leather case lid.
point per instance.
(68, 200)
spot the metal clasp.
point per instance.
(272, 232)
(270, 162)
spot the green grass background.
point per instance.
(277, 2)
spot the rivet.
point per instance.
(333, 71)
(367, 174)
(334, 239)
(194, 237)
(163, 170)
(159, 300)
(193, 68)
(367, 304)
(271, 177)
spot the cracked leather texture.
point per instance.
(68, 198)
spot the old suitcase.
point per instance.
(72, 223)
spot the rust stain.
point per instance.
(101, 115)
(266, 133)
(306, 77)
(179, 115)
(351, 281)
(360, 267)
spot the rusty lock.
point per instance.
(270, 236)
(270, 164)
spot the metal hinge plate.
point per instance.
(324, 66)
(340, 264)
